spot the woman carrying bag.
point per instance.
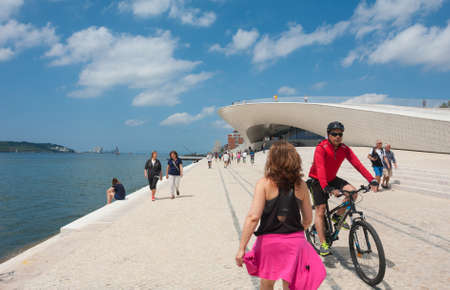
(174, 172)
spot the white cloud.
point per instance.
(192, 16)
(270, 49)
(366, 99)
(416, 45)
(287, 91)
(9, 7)
(82, 46)
(137, 62)
(350, 58)
(186, 118)
(388, 22)
(242, 41)
(389, 13)
(221, 124)
(6, 54)
(176, 9)
(145, 8)
(319, 85)
(16, 36)
(134, 123)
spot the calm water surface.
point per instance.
(39, 193)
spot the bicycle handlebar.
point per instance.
(352, 192)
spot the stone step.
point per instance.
(423, 191)
(409, 171)
(416, 187)
(398, 180)
(403, 174)
(439, 182)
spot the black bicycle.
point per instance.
(364, 243)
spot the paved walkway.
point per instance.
(190, 242)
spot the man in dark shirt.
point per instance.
(116, 191)
(252, 156)
(376, 156)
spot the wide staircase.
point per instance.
(425, 182)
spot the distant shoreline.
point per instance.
(19, 147)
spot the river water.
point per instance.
(41, 192)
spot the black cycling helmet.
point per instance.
(335, 125)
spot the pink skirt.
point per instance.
(286, 256)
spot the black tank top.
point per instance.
(281, 214)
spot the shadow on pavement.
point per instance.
(342, 256)
(6, 276)
(179, 196)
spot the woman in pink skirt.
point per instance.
(281, 250)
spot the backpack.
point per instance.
(378, 162)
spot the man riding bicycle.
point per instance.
(328, 157)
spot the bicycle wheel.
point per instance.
(367, 253)
(313, 238)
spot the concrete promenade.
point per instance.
(190, 242)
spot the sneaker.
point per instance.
(178, 192)
(335, 219)
(324, 249)
(153, 198)
(384, 186)
(172, 196)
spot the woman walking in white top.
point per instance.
(174, 172)
(226, 159)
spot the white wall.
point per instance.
(403, 127)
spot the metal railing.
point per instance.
(368, 99)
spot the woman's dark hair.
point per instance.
(283, 165)
(174, 152)
(115, 181)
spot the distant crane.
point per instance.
(188, 150)
(192, 156)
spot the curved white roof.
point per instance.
(409, 128)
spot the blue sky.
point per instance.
(150, 74)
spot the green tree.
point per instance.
(445, 105)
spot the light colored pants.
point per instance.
(174, 182)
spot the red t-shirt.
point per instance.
(327, 162)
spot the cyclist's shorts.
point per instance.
(321, 197)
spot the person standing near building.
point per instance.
(244, 156)
(282, 207)
(388, 160)
(174, 173)
(376, 156)
(238, 157)
(116, 191)
(226, 159)
(252, 155)
(209, 158)
(153, 172)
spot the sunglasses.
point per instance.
(334, 134)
